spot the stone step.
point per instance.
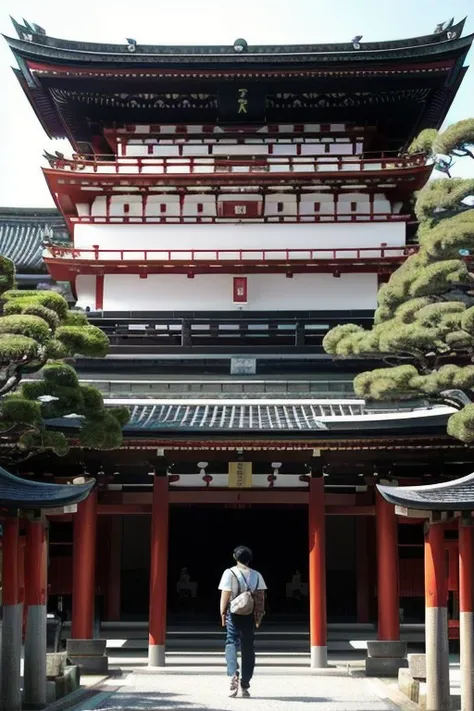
(217, 643)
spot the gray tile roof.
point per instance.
(273, 417)
(21, 235)
(233, 417)
(25, 494)
(456, 495)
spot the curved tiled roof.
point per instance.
(22, 234)
(49, 68)
(25, 494)
(456, 495)
(36, 44)
(274, 417)
(268, 416)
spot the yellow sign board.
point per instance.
(240, 475)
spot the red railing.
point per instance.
(223, 255)
(222, 164)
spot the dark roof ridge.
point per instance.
(42, 40)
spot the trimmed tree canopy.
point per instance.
(36, 330)
(425, 313)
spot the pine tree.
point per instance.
(38, 332)
(424, 322)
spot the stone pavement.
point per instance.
(282, 682)
(273, 689)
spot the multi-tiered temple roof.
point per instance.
(245, 162)
(76, 88)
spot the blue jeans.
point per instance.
(240, 636)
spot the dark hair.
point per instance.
(243, 555)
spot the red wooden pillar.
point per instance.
(158, 572)
(83, 573)
(12, 617)
(388, 596)
(113, 584)
(362, 569)
(436, 619)
(35, 598)
(317, 573)
(466, 609)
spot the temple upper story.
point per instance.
(271, 173)
(78, 89)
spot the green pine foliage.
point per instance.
(37, 332)
(425, 313)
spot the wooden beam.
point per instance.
(277, 497)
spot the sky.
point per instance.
(22, 139)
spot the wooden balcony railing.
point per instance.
(219, 333)
(227, 255)
(217, 164)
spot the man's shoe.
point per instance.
(245, 693)
(234, 686)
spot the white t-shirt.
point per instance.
(231, 577)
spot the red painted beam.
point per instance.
(55, 70)
(204, 496)
(123, 509)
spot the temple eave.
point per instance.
(457, 495)
(19, 493)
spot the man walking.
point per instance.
(242, 607)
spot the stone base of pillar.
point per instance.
(88, 654)
(319, 657)
(466, 636)
(11, 657)
(385, 658)
(35, 658)
(384, 666)
(156, 655)
(437, 658)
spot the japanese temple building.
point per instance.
(221, 209)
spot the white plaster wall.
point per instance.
(328, 205)
(214, 292)
(239, 236)
(85, 288)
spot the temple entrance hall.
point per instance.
(201, 540)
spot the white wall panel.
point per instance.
(214, 292)
(236, 236)
(85, 288)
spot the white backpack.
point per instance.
(243, 603)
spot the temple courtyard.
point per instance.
(198, 682)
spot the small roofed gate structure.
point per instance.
(28, 500)
(437, 503)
